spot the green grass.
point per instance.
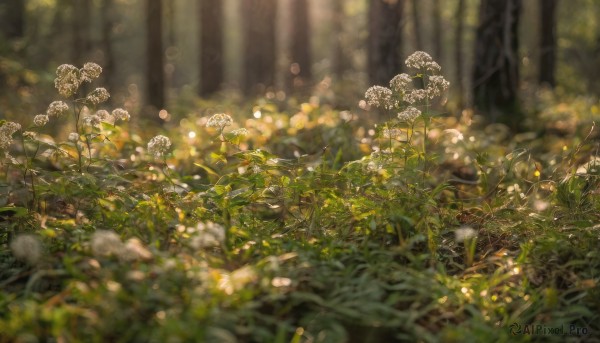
(271, 238)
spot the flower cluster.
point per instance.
(92, 121)
(120, 114)
(57, 108)
(219, 120)
(240, 132)
(98, 96)
(422, 60)
(409, 114)
(159, 145)
(379, 96)
(27, 248)
(73, 137)
(69, 78)
(6, 132)
(403, 91)
(41, 120)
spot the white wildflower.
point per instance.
(40, 120)
(240, 132)
(419, 60)
(379, 96)
(6, 132)
(219, 120)
(57, 108)
(90, 71)
(159, 145)
(415, 95)
(27, 248)
(394, 133)
(98, 96)
(409, 114)
(106, 243)
(208, 235)
(67, 80)
(92, 121)
(436, 85)
(400, 83)
(120, 114)
(105, 116)
(464, 233)
(73, 137)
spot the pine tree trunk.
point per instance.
(339, 57)
(211, 46)
(299, 72)
(155, 79)
(417, 25)
(108, 64)
(259, 45)
(385, 40)
(547, 42)
(496, 72)
(81, 19)
(458, 55)
(12, 19)
(438, 33)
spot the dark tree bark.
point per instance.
(438, 33)
(259, 45)
(12, 19)
(155, 77)
(300, 52)
(81, 19)
(385, 40)
(547, 42)
(458, 54)
(108, 13)
(417, 25)
(496, 69)
(211, 46)
(339, 60)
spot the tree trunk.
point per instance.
(438, 33)
(385, 40)
(81, 19)
(547, 42)
(12, 19)
(300, 52)
(259, 45)
(496, 70)
(339, 60)
(417, 25)
(108, 64)
(155, 79)
(458, 56)
(211, 46)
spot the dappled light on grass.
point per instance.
(253, 224)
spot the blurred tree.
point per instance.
(547, 63)
(339, 60)
(496, 63)
(385, 40)
(81, 21)
(438, 33)
(458, 52)
(259, 45)
(108, 13)
(211, 46)
(417, 31)
(300, 52)
(155, 79)
(12, 19)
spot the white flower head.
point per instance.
(219, 120)
(73, 137)
(27, 248)
(208, 235)
(106, 243)
(41, 120)
(57, 108)
(92, 121)
(409, 114)
(464, 233)
(105, 116)
(29, 135)
(121, 114)
(90, 71)
(98, 96)
(419, 60)
(379, 96)
(436, 86)
(159, 145)
(401, 83)
(67, 80)
(6, 132)
(240, 132)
